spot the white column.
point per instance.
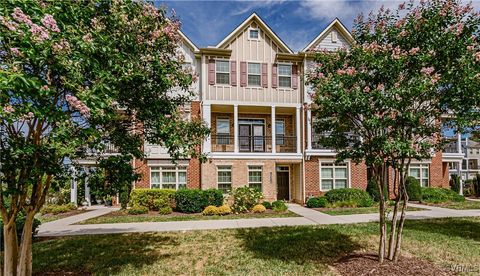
(73, 187)
(235, 128)
(87, 190)
(459, 143)
(309, 129)
(274, 134)
(459, 171)
(206, 113)
(298, 129)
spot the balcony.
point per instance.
(252, 144)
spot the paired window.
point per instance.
(420, 172)
(285, 75)
(333, 176)
(254, 74)
(255, 177)
(224, 178)
(222, 69)
(280, 132)
(254, 34)
(223, 131)
(168, 177)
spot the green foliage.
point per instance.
(455, 183)
(439, 195)
(137, 210)
(267, 204)
(372, 190)
(195, 200)
(259, 208)
(152, 199)
(476, 186)
(244, 198)
(210, 210)
(279, 206)
(414, 190)
(349, 196)
(57, 209)
(165, 210)
(317, 202)
(20, 221)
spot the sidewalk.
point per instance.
(65, 227)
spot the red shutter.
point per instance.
(294, 77)
(264, 75)
(243, 73)
(233, 73)
(211, 71)
(274, 75)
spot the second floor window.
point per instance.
(223, 131)
(285, 75)
(254, 74)
(222, 69)
(280, 132)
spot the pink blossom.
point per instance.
(87, 38)
(171, 30)
(477, 56)
(340, 72)
(49, 22)
(414, 51)
(427, 70)
(320, 75)
(401, 6)
(470, 47)
(366, 89)
(30, 114)
(380, 86)
(44, 88)
(150, 10)
(351, 71)
(15, 51)
(20, 17)
(435, 78)
(397, 85)
(400, 23)
(12, 26)
(459, 29)
(76, 104)
(403, 33)
(168, 116)
(39, 33)
(8, 109)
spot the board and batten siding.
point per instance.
(327, 43)
(260, 51)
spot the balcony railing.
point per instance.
(225, 143)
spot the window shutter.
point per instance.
(264, 75)
(211, 71)
(294, 77)
(233, 73)
(274, 75)
(243, 73)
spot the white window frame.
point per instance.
(224, 168)
(255, 168)
(284, 76)
(280, 137)
(226, 135)
(161, 169)
(334, 166)
(254, 74)
(334, 36)
(422, 167)
(253, 38)
(222, 72)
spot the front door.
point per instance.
(244, 137)
(283, 183)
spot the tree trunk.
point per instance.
(403, 190)
(10, 249)
(24, 267)
(391, 242)
(380, 177)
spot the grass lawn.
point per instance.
(358, 210)
(123, 217)
(465, 205)
(307, 250)
(51, 217)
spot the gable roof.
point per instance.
(263, 25)
(188, 42)
(335, 23)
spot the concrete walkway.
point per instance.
(65, 227)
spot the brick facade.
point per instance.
(439, 172)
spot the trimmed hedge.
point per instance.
(152, 199)
(137, 210)
(57, 209)
(414, 190)
(259, 208)
(267, 205)
(194, 200)
(374, 192)
(439, 195)
(279, 206)
(349, 197)
(317, 202)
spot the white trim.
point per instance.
(276, 180)
(228, 72)
(231, 174)
(259, 74)
(253, 29)
(285, 76)
(175, 169)
(189, 42)
(342, 28)
(257, 155)
(349, 176)
(253, 104)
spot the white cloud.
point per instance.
(250, 5)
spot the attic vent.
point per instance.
(334, 37)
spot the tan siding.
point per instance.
(326, 42)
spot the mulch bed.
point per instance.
(367, 264)
(173, 214)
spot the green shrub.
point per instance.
(455, 183)
(279, 206)
(355, 197)
(152, 199)
(210, 211)
(439, 195)
(244, 198)
(259, 208)
(414, 190)
(374, 192)
(224, 210)
(166, 210)
(267, 205)
(194, 200)
(137, 210)
(317, 202)
(20, 222)
(57, 209)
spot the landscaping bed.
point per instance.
(431, 246)
(48, 217)
(338, 211)
(460, 205)
(122, 216)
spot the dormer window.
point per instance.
(254, 34)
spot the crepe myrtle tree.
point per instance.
(73, 76)
(383, 101)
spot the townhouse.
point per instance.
(252, 94)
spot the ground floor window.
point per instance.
(420, 172)
(224, 178)
(255, 177)
(333, 176)
(168, 177)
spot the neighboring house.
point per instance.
(467, 153)
(252, 94)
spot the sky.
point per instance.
(296, 22)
